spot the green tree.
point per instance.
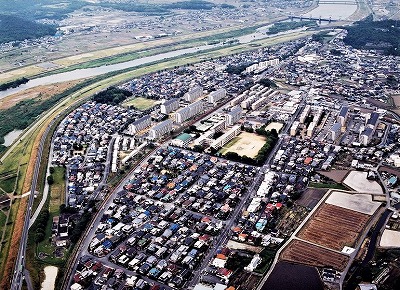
(50, 179)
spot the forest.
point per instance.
(285, 26)
(14, 28)
(112, 96)
(379, 35)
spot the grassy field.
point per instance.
(3, 219)
(7, 183)
(139, 103)
(56, 198)
(57, 190)
(327, 185)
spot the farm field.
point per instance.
(311, 197)
(301, 278)
(334, 227)
(245, 144)
(336, 175)
(309, 254)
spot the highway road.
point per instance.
(19, 267)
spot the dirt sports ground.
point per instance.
(245, 144)
(334, 227)
(305, 253)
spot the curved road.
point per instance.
(19, 272)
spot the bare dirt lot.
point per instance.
(358, 181)
(336, 175)
(390, 239)
(334, 227)
(311, 197)
(245, 144)
(309, 254)
(357, 202)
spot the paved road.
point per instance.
(19, 267)
(45, 191)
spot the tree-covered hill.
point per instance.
(13, 28)
(380, 35)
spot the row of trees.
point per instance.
(13, 84)
(285, 26)
(40, 226)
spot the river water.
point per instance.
(96, 71)
(10, 137)
(91, 72)
(340, 10)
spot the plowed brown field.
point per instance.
(334, 227)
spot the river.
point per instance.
(334, 9)
(96, 71)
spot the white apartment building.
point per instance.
(139, 125)
(160, 129)
(217, 95)
(193, 94)
(188, 112)
(169, 106)
(305, 113)
(233, 116)
(293, 129)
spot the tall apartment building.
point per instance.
(305, 113)
(342, 117)
(160, 129)
(217, 95)
(335, 131)
(366, 136)
(233, 116)
(193, 94)
(169, 106)
(372, 122)
(293, 129)
(188, 112)
(139, 125)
